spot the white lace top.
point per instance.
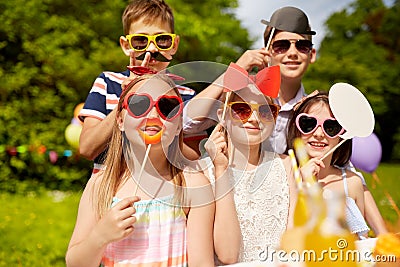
(262, 204)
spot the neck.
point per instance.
(288, 90)
(245, 157)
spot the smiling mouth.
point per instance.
(318, 145)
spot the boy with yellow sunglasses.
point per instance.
(149, 42)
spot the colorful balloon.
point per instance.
(78, 109)
(72, 134)
(367, 153)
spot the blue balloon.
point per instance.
(367, 153)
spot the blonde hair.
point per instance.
(117, 172)
(149, 11)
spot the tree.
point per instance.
(361, 47)
(51, 52)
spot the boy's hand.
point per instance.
(253, 58)
(145, 62)
(132, 62)
(118, 222)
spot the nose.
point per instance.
(319, 132)
(153, 113)
(292, 48)
(152, 47)
(254, 116)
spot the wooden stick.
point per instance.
(295, 169)
(230, 153)
(270, 37)
(228, 94)
(333, 149)
(146, 156)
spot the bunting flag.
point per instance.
(53, 156)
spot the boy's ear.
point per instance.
(123, 42)
(313, 55)
(176, 45)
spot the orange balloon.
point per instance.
(78, 109)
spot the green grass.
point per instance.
(35, 228)
(388, 183)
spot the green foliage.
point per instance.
(51, 52)
(361, 47)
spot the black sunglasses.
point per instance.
(307, 124)
(282, 46)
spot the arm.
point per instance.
(372, 214)
(95, 135)
(227, 233)
(200, 221)
(356, 191)
(91, 236)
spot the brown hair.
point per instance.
(342, 154)
(117, 171)
(149, 11)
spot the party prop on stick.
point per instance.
(146, 156)
(353, 112)
(295, 168)
(267, 80)
(148, 140)
(302, 155)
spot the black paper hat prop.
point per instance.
(288, 19)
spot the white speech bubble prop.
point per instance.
(352, 110)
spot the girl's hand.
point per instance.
(312, 168)
(253, 58)
(118, 222)
(216, 146)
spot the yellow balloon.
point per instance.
(72, 134)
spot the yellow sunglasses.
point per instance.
(140, 42)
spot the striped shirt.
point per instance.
(159, 238)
